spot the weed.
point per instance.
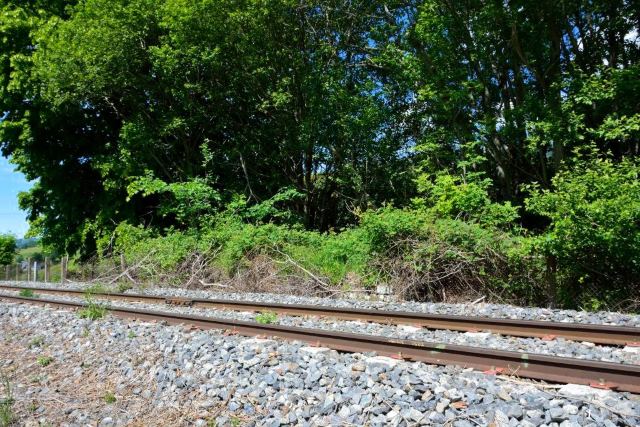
(235, 421)
(92, 311)
(85, 332)
(266, 317)
(131, 334)
(44, 360)
(37, 379)
(36, 342)
(123, 287)
(95, 290)
(6, 405)
(110, 398)
(27, 293)
(33, 406)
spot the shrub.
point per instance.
(593, 240)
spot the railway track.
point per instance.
(598, 334)
(539, 367)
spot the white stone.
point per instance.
(259, 342)
(582, 391)
(410, 329)
(478, 335)
(315, 350)
(632, 349)
(382, 360)
(383, 290)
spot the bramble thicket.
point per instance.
(445, 150)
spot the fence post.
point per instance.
(63, 268)
(17, 272)
(46, 269)
(28, 269)
(35, 271)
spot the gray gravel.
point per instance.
(237, 381)
(557, 347)
(480, 309)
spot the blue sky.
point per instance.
(12, 219)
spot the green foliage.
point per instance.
(44, 361)
(449, 196)
(7, 249)
(187, 201)
(594, 209)
(267, 317)
(27, 293)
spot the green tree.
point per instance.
(7, 249)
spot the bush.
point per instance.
(7, 249)
(594, 238)
(425, 257)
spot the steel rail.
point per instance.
(598, 334)
(533, 366)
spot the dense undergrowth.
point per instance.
(453, 244)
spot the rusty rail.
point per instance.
(533, 366)
(598, 334)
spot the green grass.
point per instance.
(266, 317)
(27, 293)
(44, 360)
(110, 398)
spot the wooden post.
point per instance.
(35, 271)
(46, 269)
(28, 269)
(17, 272)
(6, 273)
(552, 285)
(63, 268)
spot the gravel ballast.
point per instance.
(502, 311)
(556, 347)
(112, 372)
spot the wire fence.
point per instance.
(42, 271)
